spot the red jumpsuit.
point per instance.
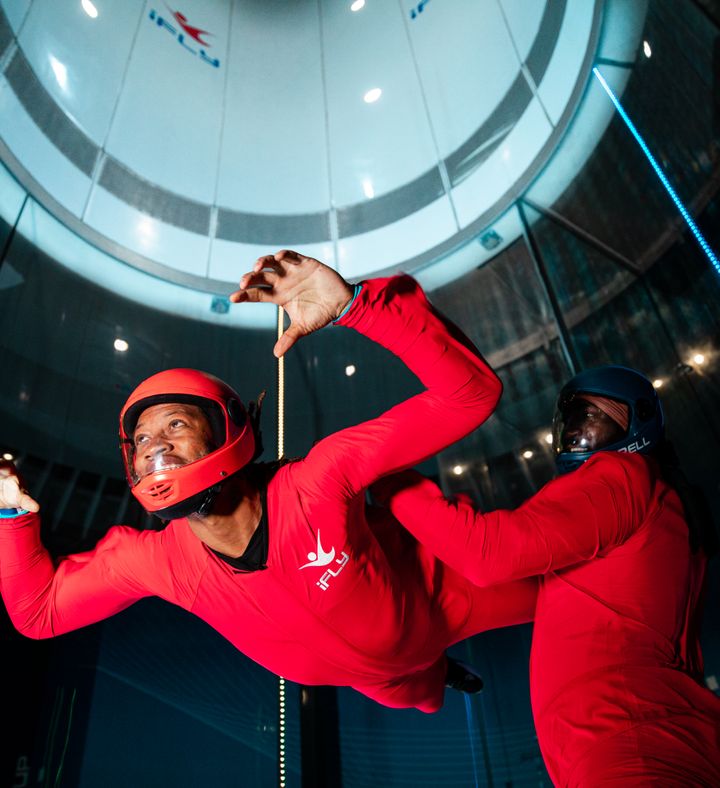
(615, 669)
(342, 601)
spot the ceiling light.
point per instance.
(7, 456)
(458, 469)
(646, 49)
(657, 383)
(89, 9)
(527, 454)
(698, 358)
(60, 72)
(357, 5)
(372, 95)
(368, 189)
(548, 437)
(120, 345)
(350, 369)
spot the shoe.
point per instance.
(462, 677)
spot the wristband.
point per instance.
(9, 514)
(356, 293)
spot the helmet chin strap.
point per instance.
(200, 504)
(207, 504)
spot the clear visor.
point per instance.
(166, 455)
(579, 425)
(159, 461)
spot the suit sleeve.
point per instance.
(461, 392)
(570, 520)
(44, 600)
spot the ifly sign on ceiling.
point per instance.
(187, 35)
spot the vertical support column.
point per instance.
(566, 343)
(11, 235)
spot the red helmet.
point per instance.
(177, 492)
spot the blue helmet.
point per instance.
(646, 423)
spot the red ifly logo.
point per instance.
(183, 31)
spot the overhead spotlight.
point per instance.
(527, 454)
(548, 437)
(458, 469)
(657, 383)
(646, 49)
(698, 359)
(7, 456)
(350, 370)
(372, 95)
(89, 9)
(120, 345)
(357, 5)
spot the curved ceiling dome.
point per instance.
(182, 141)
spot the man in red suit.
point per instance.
(283, 559)
(620, 546)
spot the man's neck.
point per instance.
(235, 517)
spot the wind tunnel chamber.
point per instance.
(143, 172)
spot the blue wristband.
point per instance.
(356, 293)
(9, 514)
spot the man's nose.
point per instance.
(157, 445)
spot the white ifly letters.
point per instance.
(324, 581)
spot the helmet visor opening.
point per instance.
(586, 422)
(201, 446)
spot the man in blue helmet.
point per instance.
(620, 544)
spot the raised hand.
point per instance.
(312, 293)
(12, 493)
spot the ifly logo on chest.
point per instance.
(322, 557)
(186, 35)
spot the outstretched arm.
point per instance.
(461, 392)
(44, 600)
(570, 520)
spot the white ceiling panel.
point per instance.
(274, 147)
(387, 142)
(462, 81)
(177, 249)
(523, 18)
(555, 89)
(54, 173)
(491, 183)
(166, 126)
(229, 261)
(379, 249)
(81, 60)
(16, 11)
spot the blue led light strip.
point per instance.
(705, 246)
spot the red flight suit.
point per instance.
(616, 672)
(343, 601)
